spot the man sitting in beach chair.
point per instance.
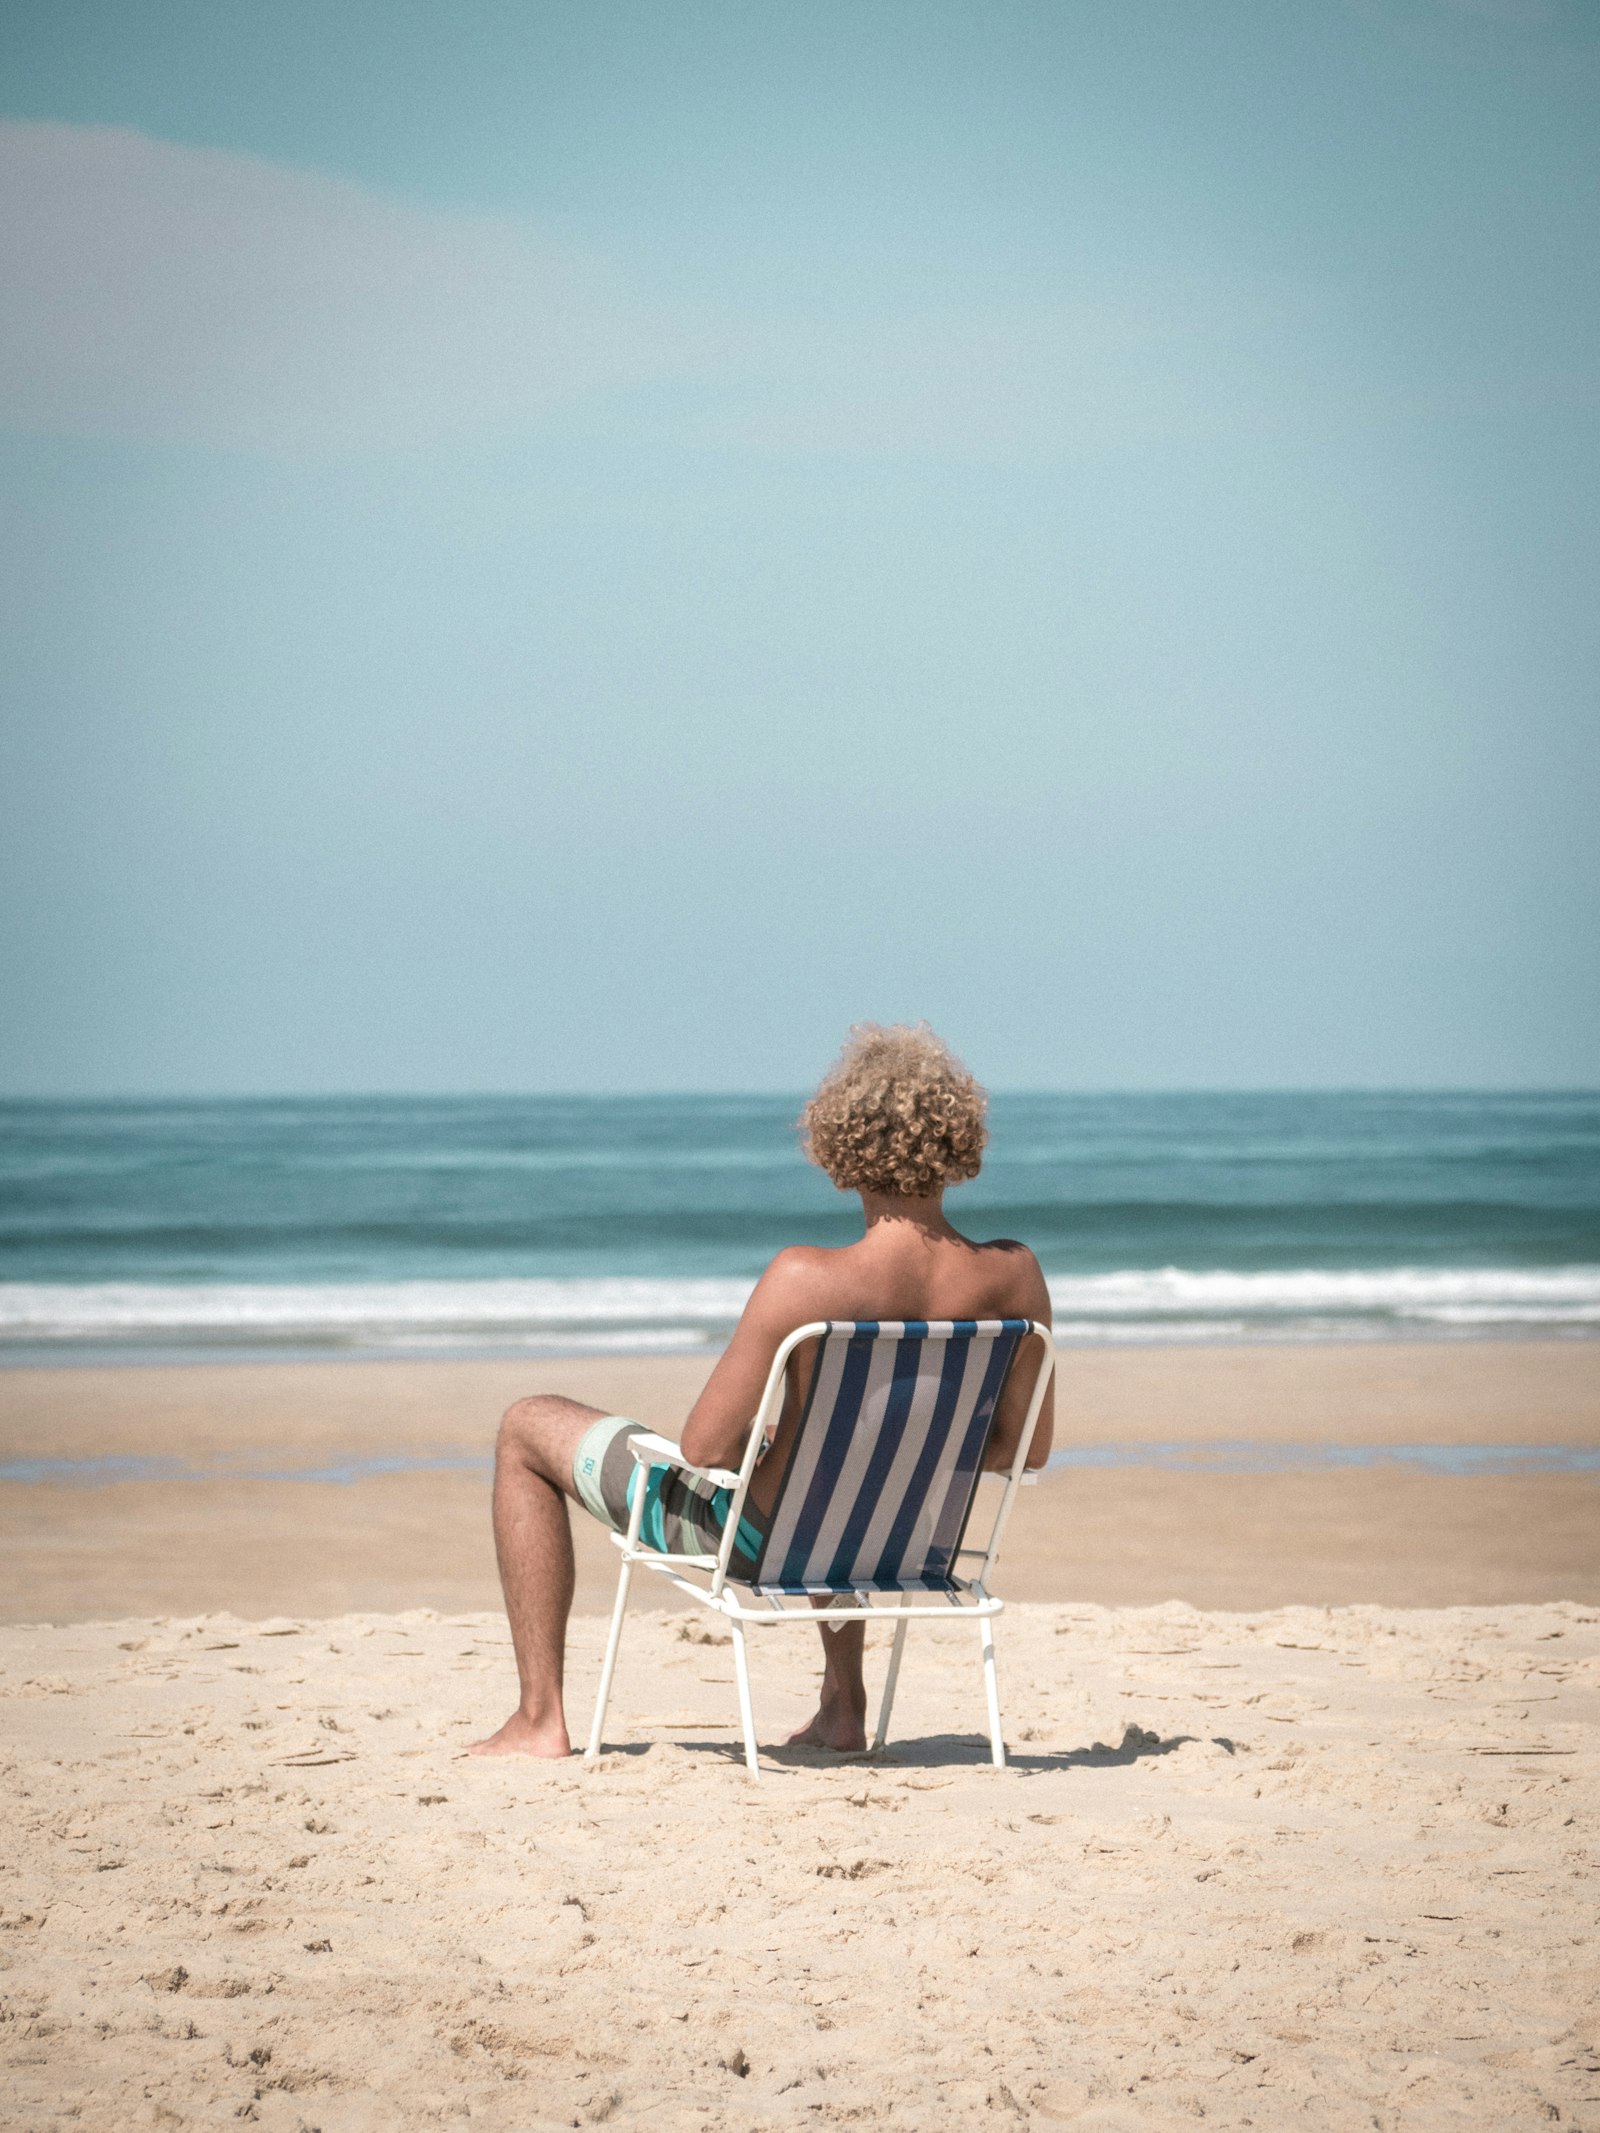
(896, 1120)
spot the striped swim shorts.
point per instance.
(683, 1515)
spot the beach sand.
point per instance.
(1301, 1826)
(1333, 1869)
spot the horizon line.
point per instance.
(771, 1093)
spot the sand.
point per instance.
(1300, 1826)
(1123, 1535)
(1331, 1868)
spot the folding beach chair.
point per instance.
(872, 1509)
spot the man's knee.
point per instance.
(519, 1418)
(535, 1428)
(525, 1421)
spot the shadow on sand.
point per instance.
(942, 1751)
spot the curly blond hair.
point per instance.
(897, 1112)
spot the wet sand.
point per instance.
(1121, 1535)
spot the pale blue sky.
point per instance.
(589, 546)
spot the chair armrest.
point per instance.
(650, 1450)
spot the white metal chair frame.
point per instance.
(711, 1588)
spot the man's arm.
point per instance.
(787, 1295)
(1033, 1301)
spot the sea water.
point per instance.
(484, 1225)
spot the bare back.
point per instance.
(907, 1265)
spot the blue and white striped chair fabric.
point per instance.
(885, 1464)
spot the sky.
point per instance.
(590, 546)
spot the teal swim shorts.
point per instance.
(683, 1515)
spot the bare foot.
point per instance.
(521, 1735)
(835, 1726)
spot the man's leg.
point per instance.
(841, 1720)
(533, 1541)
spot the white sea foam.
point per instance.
(1439, 1295)
(614, 1313)
(652, 1316)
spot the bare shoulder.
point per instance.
(1021, 1277)
(799, 1263)
(800, 1276)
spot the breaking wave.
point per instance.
(655, 1316)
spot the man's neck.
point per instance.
(926, 1215)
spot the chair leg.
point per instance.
(889, 1681)
(609, 1667)
(997, 1742)
(747, 1717)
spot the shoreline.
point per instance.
(135, 1356)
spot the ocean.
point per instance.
(561, 1225)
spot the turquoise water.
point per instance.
(478, 1225)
